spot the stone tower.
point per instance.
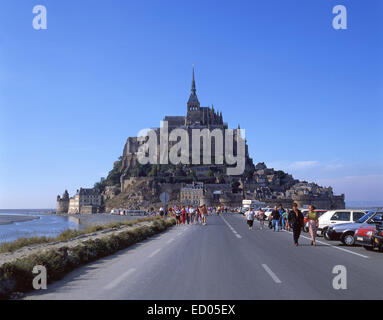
(63, 203)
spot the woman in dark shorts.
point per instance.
(250, 218)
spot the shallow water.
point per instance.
(47, 225)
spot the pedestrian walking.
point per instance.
(250, 218)
(183, 215)
(295, 220)
(283, 213)
(192, 215)
(261, 217)
(204, 214)
(313, 223)
(178, 216)
(188, 209)
(275, 216)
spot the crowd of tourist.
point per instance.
(279, 219)
(284, 219)
(191, 214)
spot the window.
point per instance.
(378, 218)
(366, 217)
(357, 215)
(341, 216)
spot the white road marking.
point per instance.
(335, 247)
(170, 240)
(231, 228)
(119, 279)
(154, 252)
(271, 274)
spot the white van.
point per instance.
(334, 217)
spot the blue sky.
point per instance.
(309, 97)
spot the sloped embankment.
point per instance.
(62, 257)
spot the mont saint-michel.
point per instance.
(134, 185)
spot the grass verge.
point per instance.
(17, 276)
(68, 234)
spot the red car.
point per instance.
(377, 238)
(306, 219)
(363, 237)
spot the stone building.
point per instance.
(199, 193)
(191, 194)
(63, 203)
(84, 201)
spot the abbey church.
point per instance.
(197, 115)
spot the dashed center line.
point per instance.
(170, 240)
(119, 279)
(154, 252)
(231, 228)
(271, 273)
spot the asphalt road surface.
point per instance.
(224, 260)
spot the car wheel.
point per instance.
(324, 234)
(348, 239)
(368, 248)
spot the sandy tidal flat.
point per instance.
(8, 219)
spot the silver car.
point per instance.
(345, 232)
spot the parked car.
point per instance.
(377, 237)
(334, 217)
(345, 232)
(243, 210)
(363, 236)
(306, 219)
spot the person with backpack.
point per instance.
(275, 216)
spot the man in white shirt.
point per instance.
(250, 218)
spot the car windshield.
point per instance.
(366, 217)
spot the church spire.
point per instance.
(193, 89)
(193, 103)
